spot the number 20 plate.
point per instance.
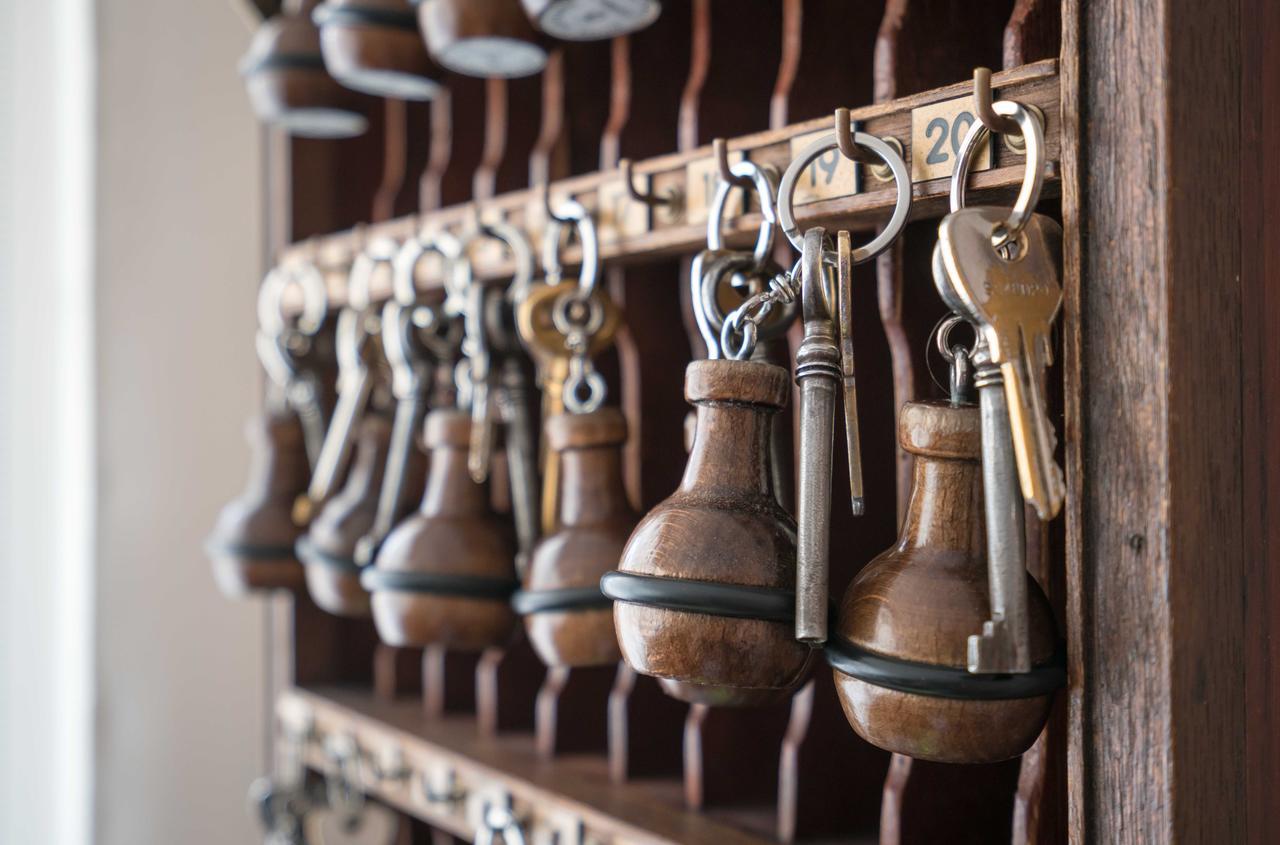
(937, 131)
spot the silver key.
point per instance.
(354, 388)
(1013, 301)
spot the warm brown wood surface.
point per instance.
(1035, 84)
(1156, 577)
(1260, 395)
(578, 785)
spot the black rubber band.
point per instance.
(525, 602)
(361, 16)
(944, 681)
(736, 601)
(287, 61)
(464, 586)
(277, 554)
(310, 555)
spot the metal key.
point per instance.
(1003, 645)
(849, 381)
(547, 346)
(411, 374)
(354, 389)
(818, 375)
(1013, 301)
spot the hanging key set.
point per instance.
(447, 462)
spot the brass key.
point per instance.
(1013, 300)
(551, 355)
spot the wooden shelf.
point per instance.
(631, 232)
(571, 796)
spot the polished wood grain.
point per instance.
(259, 518)
(595, 520)
(453, 533)
(921, 599)
(1156, 556)
(457, 31)
(289, 87)
(723, 524)
(383, 60)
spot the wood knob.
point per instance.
(374, 47)
(252, 542)
(592, 20)
(568, 619)
(704, 596)
(444, 575)
(289, 86)
(481, 37)
(917, 603)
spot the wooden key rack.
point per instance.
(1142, 576)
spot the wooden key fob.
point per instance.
(900, 649)
(704, 597)
(444, 576)
(252, 542)
(569, 621)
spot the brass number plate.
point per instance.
(830, 175)
(936, 133)
(700, 178)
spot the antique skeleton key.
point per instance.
(1013, 295)
(818, 374)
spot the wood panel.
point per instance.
(1154, 451)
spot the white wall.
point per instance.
(46, 419)
(179, 669)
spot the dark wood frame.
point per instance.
(1171, 186)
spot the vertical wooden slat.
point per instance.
(1157, 671)
(1260, 279)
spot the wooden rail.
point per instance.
(443, 772)
(632, 232)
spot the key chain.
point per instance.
(568, 619)
(445, 574)
(824, 366)
(670, 579)
(416, 338)
(252, 543)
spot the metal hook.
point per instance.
(720, 149)
(982, 105)
(845, 143)
(650, 199)
(546, 206)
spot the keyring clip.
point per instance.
(1033, 177)
(886, 153)
(746, 174)
(457, 273)
(359, 283)
(573, 213)
(521, 253)
(315, 300)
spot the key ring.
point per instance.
(1033, 177)
(886, 153)
(457, 273)
(762, 179)
(315, 300)
(359, 284)
(572, 212)
(521, 252)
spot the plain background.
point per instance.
(131, 692)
